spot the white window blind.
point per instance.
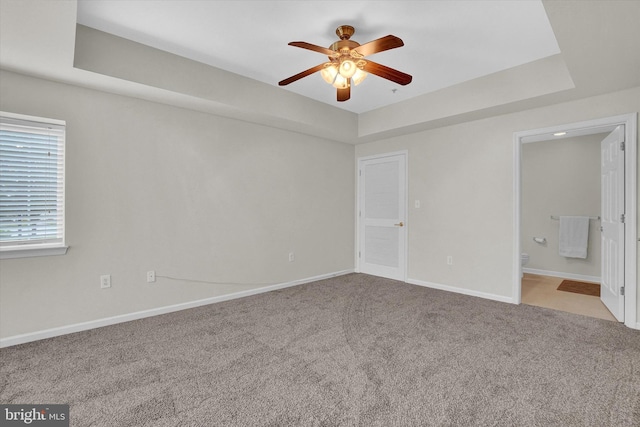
(31, 183)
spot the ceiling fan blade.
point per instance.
(344, 94)
(379, 45)
(387, 73)
(298, 76)
(315, 48)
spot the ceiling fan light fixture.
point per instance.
(347, 68)
(358, 77)
(329, 73)
(340, 82)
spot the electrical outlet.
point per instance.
(151, 276)
(292, 257)
(105, 281)
(450, 260)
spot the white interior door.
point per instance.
(382, 216)
(612, 225)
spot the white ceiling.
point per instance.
(446, 42)
(42, 38)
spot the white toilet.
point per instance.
(524, 259)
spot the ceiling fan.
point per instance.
(347, 64)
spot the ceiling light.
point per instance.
(333, 74)
(359, 76)
(329, 73)
(346, 64)
(559, 133)
(347, 68)
(341, 82)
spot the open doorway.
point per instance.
(626, 130)
(542, 291)
(561, 176)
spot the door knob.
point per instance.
(400, 224)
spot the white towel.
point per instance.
(574, 236)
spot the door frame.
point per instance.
(631, 203)
(404, 229)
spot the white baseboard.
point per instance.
(93, 324)
(571, 276)
(470, 292)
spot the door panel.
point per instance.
(381, 246)
(382, 216)
(381, 184)
(612, 227)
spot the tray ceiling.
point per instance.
(446, 42)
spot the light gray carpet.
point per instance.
(351, 351)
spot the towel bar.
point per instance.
(594, 218)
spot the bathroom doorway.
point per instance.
(547, 216)
(542, 291)
(561, 176)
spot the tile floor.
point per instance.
(542, 291)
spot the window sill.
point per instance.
(33, 252)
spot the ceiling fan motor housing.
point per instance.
(345, 32)
(344, 44)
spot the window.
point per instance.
(31, 186)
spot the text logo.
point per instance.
(34, 415)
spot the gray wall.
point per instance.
(463, 176)
(561, 177)
(187, 194)
(193, 195)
